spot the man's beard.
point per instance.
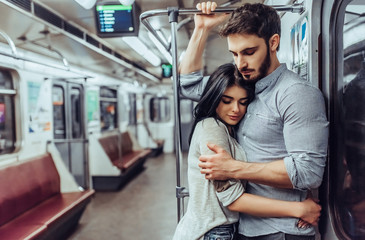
(262, 70)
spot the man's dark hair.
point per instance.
(257, 18)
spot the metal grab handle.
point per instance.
(49, 47)
(64, 60)
(11, 44)
(160, 12)
(295, 8)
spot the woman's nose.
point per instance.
(235, 107)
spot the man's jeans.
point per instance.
(223, 232)
(277, 236)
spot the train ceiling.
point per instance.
(68, 30)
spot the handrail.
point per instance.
(14, 54)
(44, 64)
(173, 13)
(159, 12)
(49, 47)
(11, 43)
(295, 8)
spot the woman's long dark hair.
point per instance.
(225, 76)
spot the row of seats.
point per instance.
(123, 154)
(32, 205)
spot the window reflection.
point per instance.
(160, 109)
(186, 109)
(351, 166)
(108, 108)
(76, 113)
(7, 114)
(59, 121)
(133, 108)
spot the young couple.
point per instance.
(282, 138)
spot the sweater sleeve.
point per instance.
(192, 85)
(215, 132)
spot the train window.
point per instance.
(7, 113)
(160, 109)
(124, 107)
(76, 112)
(133, 109)
(92, 103)
(108, 108)
(350, 165)
(58, 97)
(186, 111)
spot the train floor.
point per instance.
(145, 208)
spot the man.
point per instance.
(284, 131)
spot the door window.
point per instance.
(160, 109)
(108, 108)
(76, 120)
(59, 121)
(7, 113)
(349, 167)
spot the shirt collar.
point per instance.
(269, 79)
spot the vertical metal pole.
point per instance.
(173, 15)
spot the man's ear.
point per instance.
(274, 42)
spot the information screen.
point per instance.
(115, 20)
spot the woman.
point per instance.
(209, 216)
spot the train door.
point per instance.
(68, 127)
(345, 180)
(159, 120)
(348, 174)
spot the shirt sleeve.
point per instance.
(306, 135)
(215, 132)
(192, 85)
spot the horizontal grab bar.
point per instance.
(295, 8)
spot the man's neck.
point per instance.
(274, 65)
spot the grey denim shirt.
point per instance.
(286, 120)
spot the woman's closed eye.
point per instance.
(226, 101)
(244, 103)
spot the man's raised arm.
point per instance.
(204, 23)
(192, 82)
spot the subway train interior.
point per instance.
(93, 130)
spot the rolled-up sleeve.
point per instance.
(192, 85)
(305, 134)
(212, 131)
(231, 194)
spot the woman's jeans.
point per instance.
(222, 232)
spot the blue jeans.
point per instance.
(222, 232)
(276, 236)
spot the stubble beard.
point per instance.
(264, 68)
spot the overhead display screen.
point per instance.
(117, 20)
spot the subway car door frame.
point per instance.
(335, 194)
(71, 141)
